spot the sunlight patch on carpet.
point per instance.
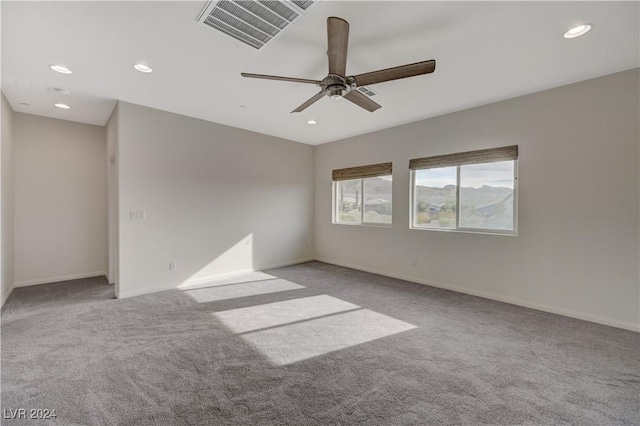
(253, 318)
(217, 292)
(295, 330)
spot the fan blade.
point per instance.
(275, 77)
(395, 73)
(361, 100)
(338, 40)
(311, 101)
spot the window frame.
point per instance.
(458, 228)
(335, 213)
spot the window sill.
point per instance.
(369, 224)
(468, 231)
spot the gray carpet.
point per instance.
(311, 344)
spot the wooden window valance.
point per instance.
(471, 157)
(360, 172)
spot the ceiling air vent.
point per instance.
(304, 5)
(366, 91)
(256, 23)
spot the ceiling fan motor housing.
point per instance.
(335, 86)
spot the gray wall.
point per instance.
(577, 249)
(217, 200)
(60, 200)
(6, 203)
(113, 250)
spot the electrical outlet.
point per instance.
(172, 266)
(414, 262)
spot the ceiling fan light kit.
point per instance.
(336, 85)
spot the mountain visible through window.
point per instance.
(475, 197)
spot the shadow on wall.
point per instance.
(204, 249)
(239, 258)
(214, 201)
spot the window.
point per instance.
(472, 191)
(362, 195)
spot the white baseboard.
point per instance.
(48, 280)
(5, 297)
(202, 280)
(493, 296)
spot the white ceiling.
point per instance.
(485, 52)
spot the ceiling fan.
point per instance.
(336, 85)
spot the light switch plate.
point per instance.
(137, 215)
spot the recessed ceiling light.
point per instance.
(143, 68)
(578, 31)
(312, 122)
(63, 106)
(60, 69)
